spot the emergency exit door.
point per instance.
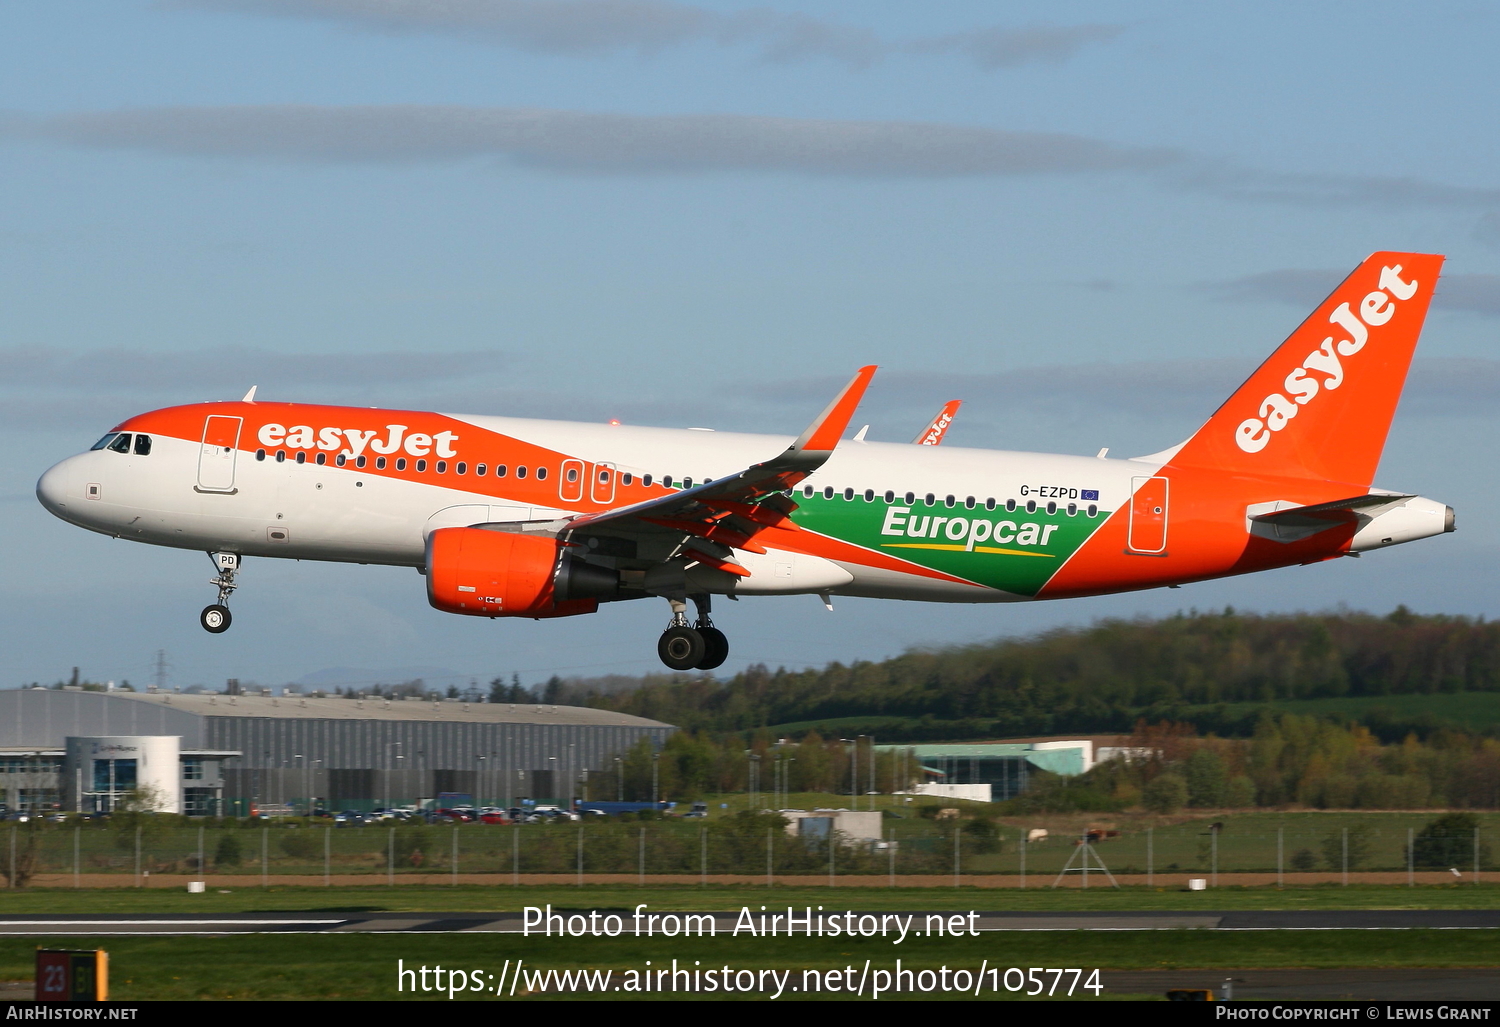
(1148, 515)
(221, 444)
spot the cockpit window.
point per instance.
(121, 444)
(143, 445)
(104, 441)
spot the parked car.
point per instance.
(494, 816)
(348, 818)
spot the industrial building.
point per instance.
(994, 771)
(209, 753)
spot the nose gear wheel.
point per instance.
(216, 618)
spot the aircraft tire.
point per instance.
(716, 648)
(681, 648)
(215, 619)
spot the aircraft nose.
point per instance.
(54, 488)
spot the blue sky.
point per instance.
(1088, 221)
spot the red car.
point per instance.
(493, 816)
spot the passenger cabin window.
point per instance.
(541, 474)
(461, 468)
(122, 443)
(401, 463)
(380, 463)
(421, 465)
(499, 470)
(322, 459)
(143, 445)
(627, 478)
(521, 471)
(479, 470)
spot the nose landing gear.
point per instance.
(216, 618)
(700, 646)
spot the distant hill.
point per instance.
(1221, 671)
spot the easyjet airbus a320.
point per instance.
(509, 517)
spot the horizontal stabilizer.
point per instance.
(1286, 523)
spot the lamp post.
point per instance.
(619, 779)
(552, 773)
(655, 756)
(390, 768)
(306, 803)
(480, 789)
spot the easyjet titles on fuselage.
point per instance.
(302, 436)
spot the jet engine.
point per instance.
(486, 573)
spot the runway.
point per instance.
(362, 922)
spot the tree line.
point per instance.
(1101, 678)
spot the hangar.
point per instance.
(211, 753)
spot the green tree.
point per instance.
(1448, 841)
(1241, 792)
(228, 853)
(1361, 840)
(1165, 793)
(1207, 781)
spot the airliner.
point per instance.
(518, 517)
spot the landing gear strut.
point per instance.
(216, 618)
(700, 646)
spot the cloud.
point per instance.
(145, 372)
(578, 141)
(1238, 182)
(1005, 48)
(1153, 389)
(597, 27)
(1472, 293)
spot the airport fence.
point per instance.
(1234, 849)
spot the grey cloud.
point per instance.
(43, 390)
(1005, 48)
(587, 142)
(1152, 389)
(1234, 181)
(588, 27)
(142, 372)
(1472, 293)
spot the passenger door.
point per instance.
(602, 487)
(216, 458)
(1148, 516)
(570, 484)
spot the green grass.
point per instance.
(364, 966)
(504, 898)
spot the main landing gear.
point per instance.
(700, 646)
(216, 619)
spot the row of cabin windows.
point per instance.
(969, 502)
(120, 442)
(626, 478)
(440, 466)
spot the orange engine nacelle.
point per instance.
(498, 574)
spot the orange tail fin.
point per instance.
(1321, 406)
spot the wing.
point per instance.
(708, 521)
(933, 434)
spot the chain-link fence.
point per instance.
(1295, 848)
